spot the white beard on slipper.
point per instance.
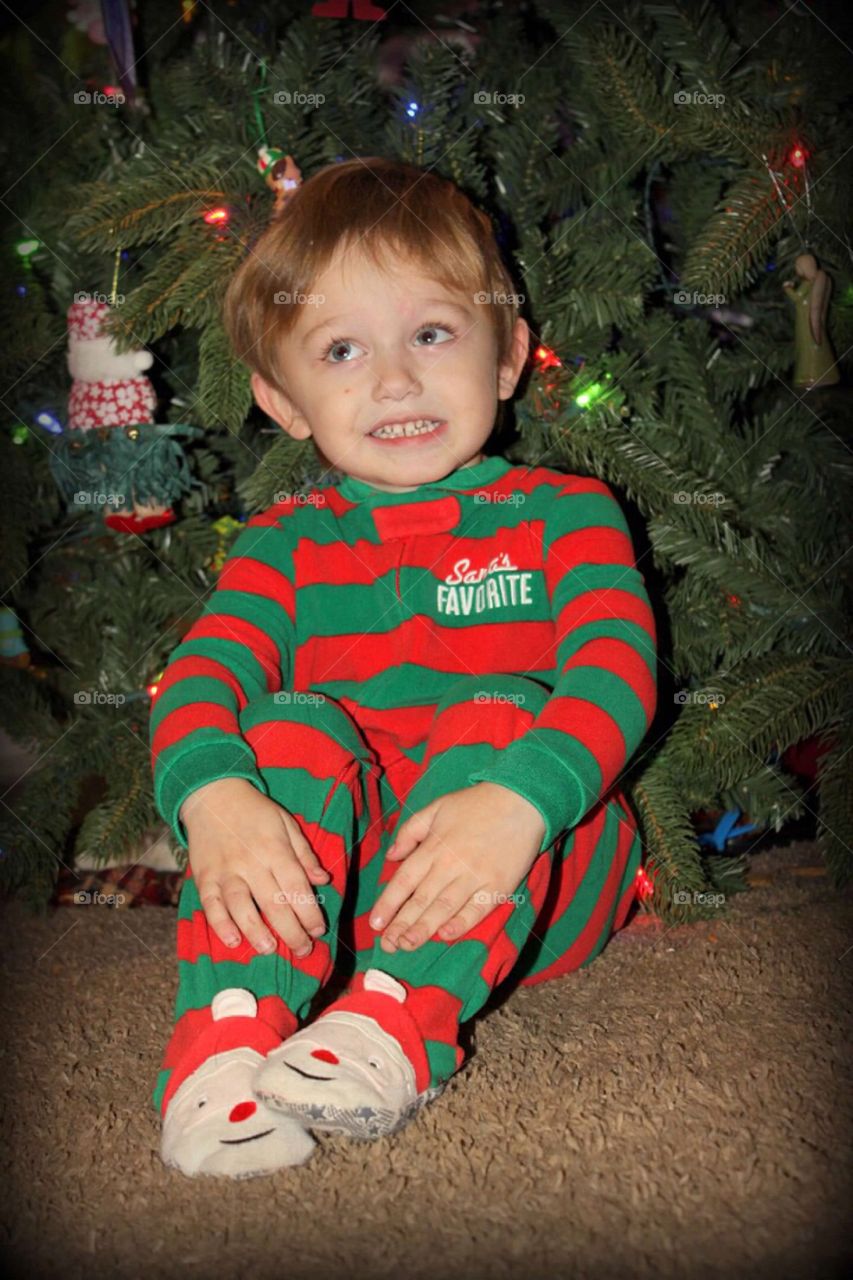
(214, 1124)
(344, 1073)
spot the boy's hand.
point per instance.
(244, 846)
(479, 842)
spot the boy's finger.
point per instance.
(308, 860)
(219, 920)
(432, 888)
(284, 900)
(443, 908)
(300, 895)
(308, 910)
(463, 922)
(399, 888)
(245, 915)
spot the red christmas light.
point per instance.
(216, 217)
(734, 600)
(644, 884)
(797, 156)
(545, 358)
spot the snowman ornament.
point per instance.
(109, 390)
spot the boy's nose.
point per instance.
(396, 374)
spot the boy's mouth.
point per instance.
(404, 432)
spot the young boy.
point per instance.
(406, 702)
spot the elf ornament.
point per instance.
(113, 455)
(815, 360)
(280, 173)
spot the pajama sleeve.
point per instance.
(240, 647)
(605, 692)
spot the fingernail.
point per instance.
(318, 932)
(267, 945)
(304, 952)
(232, 940)
(376, 922)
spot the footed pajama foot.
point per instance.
(214, 1124)
(344, 1073)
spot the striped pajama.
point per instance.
(366, 652)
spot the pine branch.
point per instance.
(760, 706)
(672, 864)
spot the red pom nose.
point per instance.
(325, 1055)
(242, 1111)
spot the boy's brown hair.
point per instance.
(389, 209)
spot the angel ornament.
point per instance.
(814, 364)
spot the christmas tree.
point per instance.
(659, 181)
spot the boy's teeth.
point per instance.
(407, 428)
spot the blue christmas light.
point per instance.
(49, 421)
(21, 290)
(412, 110)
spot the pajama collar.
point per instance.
(428, 508)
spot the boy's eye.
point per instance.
(334, 346)
(437, 328)
(337, 344)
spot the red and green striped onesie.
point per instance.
(365, 652)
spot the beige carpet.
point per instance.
(682, 1108)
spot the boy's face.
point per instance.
(375, 348)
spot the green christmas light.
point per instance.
(588, 397)
(20, 432)
(592, 394)
(26, 248)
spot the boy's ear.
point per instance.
(510, 371)
(279, 407)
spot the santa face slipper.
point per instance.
(345, 1073)
(213, 1124)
